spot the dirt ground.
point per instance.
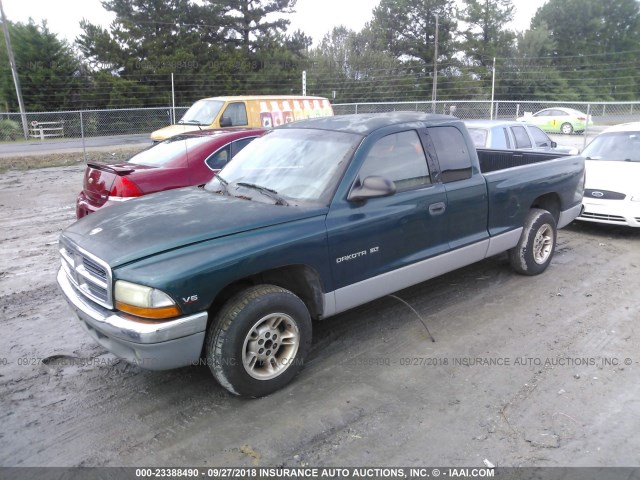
(525, 371)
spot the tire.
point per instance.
(566, 128)
(258, 341)
(533, 253)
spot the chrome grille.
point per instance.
(601, 216)
(94, 268)
(87, 273)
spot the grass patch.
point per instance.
(31, 162)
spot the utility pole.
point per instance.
(493, 85)
(14, 72)
(435, 71)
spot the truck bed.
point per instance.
(494, 160)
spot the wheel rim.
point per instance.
(567, 128)
(543, 244)
(270, 346)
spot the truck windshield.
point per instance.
(203, 112)
(620, 146)
(298, 165)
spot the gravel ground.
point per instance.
(525, 371)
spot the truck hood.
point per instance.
(152, 224)
(172, 130)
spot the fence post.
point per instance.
(84, 148)
(356, 108)
(173, 101)
(586, 126)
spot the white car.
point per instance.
(559, 120)
(612, 189)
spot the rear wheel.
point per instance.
(259, 340)
(537, 243)
(566, 128)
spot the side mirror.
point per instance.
(225, 122)
(372, 187)
(554, 144)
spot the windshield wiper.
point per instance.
(268, 192)
(190, 122)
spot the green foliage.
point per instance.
(47, 69)
(574, 50)
(212, 48)
(407, 28)
(247, 21)
(596, 45)
(348, 64)
(485, 36)
(9, 130)
(530, 74)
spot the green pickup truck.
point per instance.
(314, 218)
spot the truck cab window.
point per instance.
(452, 153)
(399, 157)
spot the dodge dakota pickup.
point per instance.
(314, 218)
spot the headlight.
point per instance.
(144, 301)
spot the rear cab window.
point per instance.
(448, 146)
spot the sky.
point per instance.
(314, 17)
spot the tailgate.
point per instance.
(98, 180)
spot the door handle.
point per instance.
(437, 208)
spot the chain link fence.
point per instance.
(603, 113)
(83, 124)
(87, 123)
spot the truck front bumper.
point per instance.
(151, 345)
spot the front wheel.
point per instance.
(259, 340)
(532, 255)
(566, 128)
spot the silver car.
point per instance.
(512, 135)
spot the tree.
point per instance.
(47, 67)
(147, 41)
(597, 45)
(530, 73)
(248, 24)
(347, 62)
(485, 36)
(406, 28)
(212, 48)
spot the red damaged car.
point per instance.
(181, 161)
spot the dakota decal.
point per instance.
(353, 256)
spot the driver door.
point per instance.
(370, 238)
